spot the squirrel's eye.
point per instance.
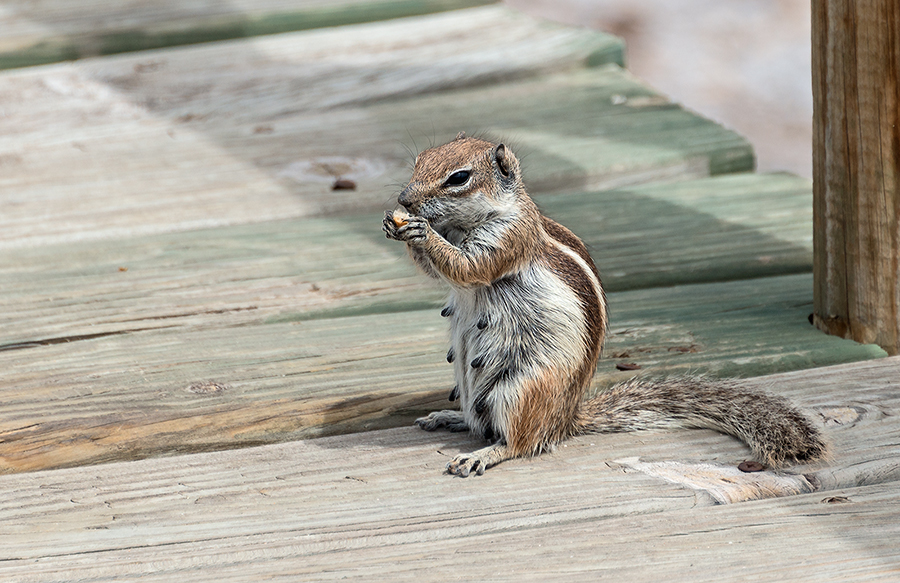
(457, 178)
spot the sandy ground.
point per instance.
(744, 63)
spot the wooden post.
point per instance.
(856, 169)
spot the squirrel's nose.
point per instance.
(405, 199)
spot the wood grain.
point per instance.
(50, 31)
(856, 164)
(145, 390)
(648, 236)
(378, 503)
(178, 277)
(305, 323)
(259, 129)
(729, 227)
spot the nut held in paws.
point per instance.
(400, 218)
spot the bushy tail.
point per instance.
(773, 428)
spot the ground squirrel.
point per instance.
(528, 317)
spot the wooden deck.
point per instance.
(177, 276)
(375, 506)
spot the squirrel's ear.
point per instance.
(501, 156)
(461, 136)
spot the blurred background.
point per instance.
(743, 63)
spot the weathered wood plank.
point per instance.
(736, 226)
(377, 503)
(208, 278)
(586, 130)
(804, 540)
(35, 33)
(856, 164)
(723, 228)
(255, 130)
(189, 387)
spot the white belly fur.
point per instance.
(535, 322)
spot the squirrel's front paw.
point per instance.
(405, 228)
(452, 420)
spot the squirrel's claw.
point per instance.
(464, 464)
(389, 227)
(414, 231)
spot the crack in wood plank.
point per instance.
(68, 339)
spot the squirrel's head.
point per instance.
(463, 184)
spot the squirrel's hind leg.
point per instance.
(465, 463)
(451, 420)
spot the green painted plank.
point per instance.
(730, 227)
(716, 229)
(153, 392)
(229, 164)
(588, 129)
(37, 34)
(208, 278)
(257, 129)
(733, 329)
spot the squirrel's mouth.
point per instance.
(411, 206)
(423, 210)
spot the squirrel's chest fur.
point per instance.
(521, 327)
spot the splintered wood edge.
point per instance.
(725, 484)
